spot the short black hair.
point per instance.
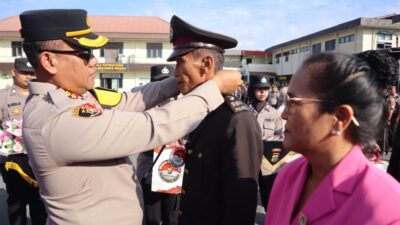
(32, 49)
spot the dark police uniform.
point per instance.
(22, 188)
(159, 208)
(223, 153)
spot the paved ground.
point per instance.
(3, 207)
(3, 196)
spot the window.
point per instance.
(305, 49)
(347, 38)
(111, 81)
(293, 51)
(316, 48)
(383, 45)
(330, 45)
(249, 61)
(154, 50)
(384, 36)
(16, 47)
(112, 52)
(277, 56)
(286, 54)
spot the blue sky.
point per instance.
(257, 24)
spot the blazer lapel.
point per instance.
(339, 180)
(320, 203)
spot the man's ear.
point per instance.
(48, 61)
(207, 64)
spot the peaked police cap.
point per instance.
(160, 72)
(70, 25)
(259, 81)
(186, 37)
(23, 65)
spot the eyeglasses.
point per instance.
(85, 54)
(297, 100)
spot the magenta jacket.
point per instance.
(353, 193)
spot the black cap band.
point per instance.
(199, 45)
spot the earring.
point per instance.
(336, 132)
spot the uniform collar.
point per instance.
(15, 91)
(40, 88)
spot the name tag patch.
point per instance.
(14, 104)
(87, 110)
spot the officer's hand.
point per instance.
(227, 80)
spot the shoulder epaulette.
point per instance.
(107, 97)
(236, 105)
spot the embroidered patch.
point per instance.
(87, 110)
(16, 111)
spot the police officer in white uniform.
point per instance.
(271, 126)
(20, 183)
(79, 150)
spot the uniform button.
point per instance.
(302, 219)
(190, 151)
(183, 191)
(199, 155)
(186, 171)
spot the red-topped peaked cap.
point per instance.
(186, 37)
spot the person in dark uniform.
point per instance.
(159, 208)
(22, 188)
(224, 152)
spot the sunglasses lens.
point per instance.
(86, 55)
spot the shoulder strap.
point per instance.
(108, 98)
(235, 104)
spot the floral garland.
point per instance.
(11, 138)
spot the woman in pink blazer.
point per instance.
(334, 110)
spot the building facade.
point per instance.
(354, 36)
(251, 62)
(136, 43)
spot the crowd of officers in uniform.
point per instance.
(78, 138)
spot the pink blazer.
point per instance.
(353, 193)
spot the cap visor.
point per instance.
(261, 86)
(178, 52)
(30, 70)
(89, 41)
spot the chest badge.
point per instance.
(87, 110)
(16, 111)
(168, 172)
